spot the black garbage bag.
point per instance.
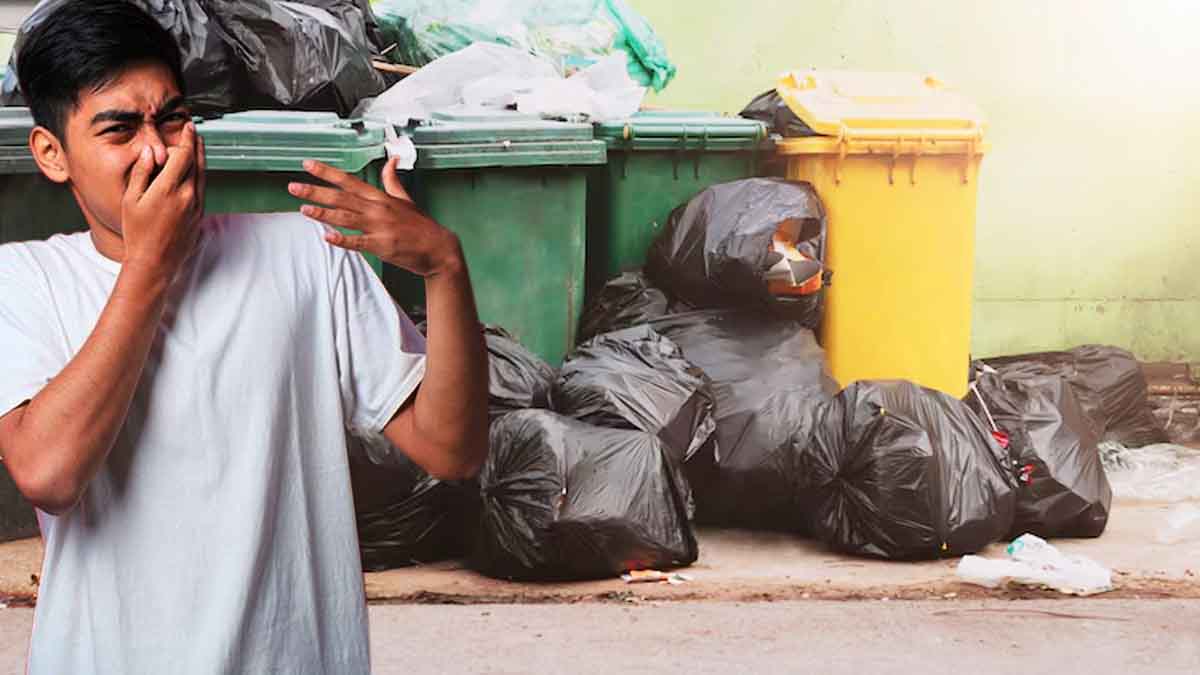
(1062, 488)
(770, 108)
(638, 379)
(404, 515)
(719, 250)
(1109, 384)
(898, 471)
(299, 56)
(566, 500)
(768, 378)
(517, 378)
(626, 301)
(208, 70)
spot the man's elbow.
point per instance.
(49, 492)
(463, 462)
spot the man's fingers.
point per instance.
(180, 162)
(391, 180)
(139, 176)
(352, 242)
(341, 179)
(327, 196)
(201, 179)
(335, 217)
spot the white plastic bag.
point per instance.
(440, 84)
(1033, 562)
(1161, 473)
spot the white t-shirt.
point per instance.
(219, 536)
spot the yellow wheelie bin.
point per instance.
(895, 159)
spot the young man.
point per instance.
(176, 391)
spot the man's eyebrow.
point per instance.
(132, 116)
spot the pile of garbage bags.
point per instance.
(699, 395)
(570, 34)
(240, 54)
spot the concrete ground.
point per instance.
(990, 637)
(737, 565)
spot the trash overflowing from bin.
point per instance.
(1063, 490)
(242, 54)
(487, 76)
(770, 108)
(562, 499)
(570, 34)
(897, 471)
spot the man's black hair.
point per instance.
(82, 46)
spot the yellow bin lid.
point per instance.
(857, 108)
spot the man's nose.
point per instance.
(153, 139)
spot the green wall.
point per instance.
(1088, 216)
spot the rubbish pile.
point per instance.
(588, 58)
(570, 34)
(237, 55)
(699, 395)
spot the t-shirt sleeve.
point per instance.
(30, 354)
(380, 353)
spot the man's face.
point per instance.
(105, 134)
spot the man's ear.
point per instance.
(49, 154)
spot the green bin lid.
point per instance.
(461, 137)
(482, 125)
(678, 130)
(280, 140)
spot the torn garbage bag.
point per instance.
(566, 500)
(404, 515)
(898, 471)
(1062, 489)
(768, 378)
(1109, 384)
(753, 244)
(638, 379)
(626, 301)
(208, 70)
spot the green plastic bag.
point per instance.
(570, 33)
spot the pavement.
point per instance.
(987, 637)
(737, 565)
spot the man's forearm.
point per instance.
(450, 410)
(60, 439)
